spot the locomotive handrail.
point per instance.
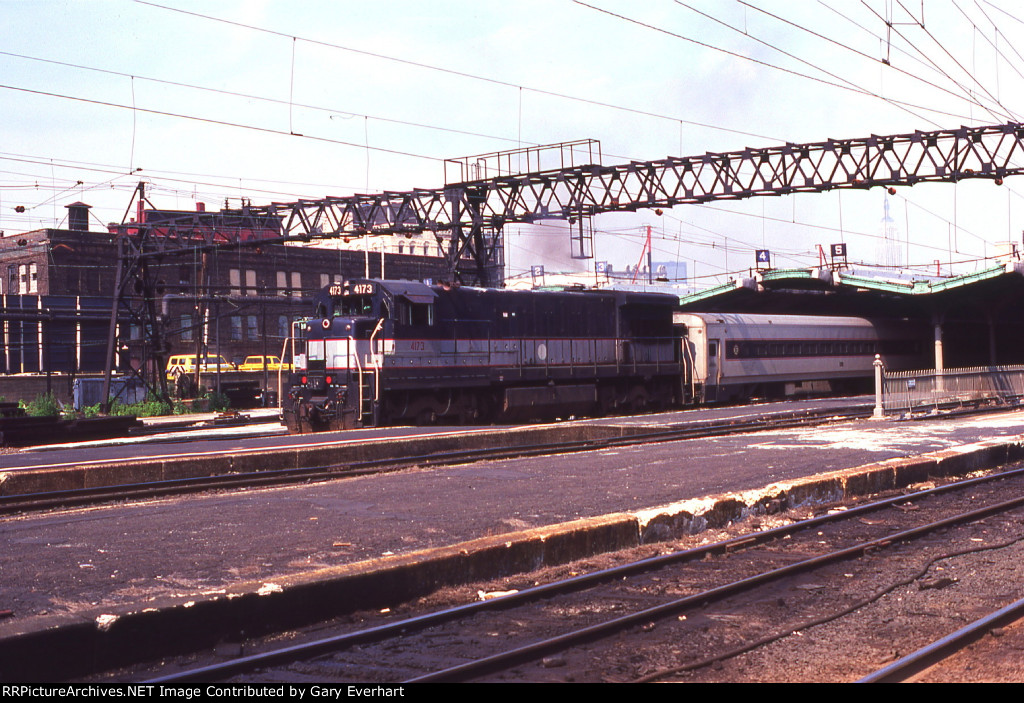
(280, 369)
(689, 366)
(359, 371)
(377, 362)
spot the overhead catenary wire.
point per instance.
(966, 92)
(847, 47)
(1005, 12)
(168, 175)
(182, 192)
(210, 120)
(765, 64)
(963, 68)
(262, 98)
(993, 44)
(454, 72)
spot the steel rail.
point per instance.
(340, 642)
(913, 663)
(326, 472)
(531, 651)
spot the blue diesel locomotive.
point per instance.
(383, 352)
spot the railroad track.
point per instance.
(146, 490)
(698, 614)
(936, 654)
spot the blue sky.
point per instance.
(382, 92)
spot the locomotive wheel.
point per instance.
(302, 418)
(638, 401)
(426, 418)
(291, 419)
(486, 409)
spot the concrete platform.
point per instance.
(105, 582)
(190, 452)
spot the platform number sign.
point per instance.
(764, 258)
(838, 251)
(601, 267)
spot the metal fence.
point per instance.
(907, 391)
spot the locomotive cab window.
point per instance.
(416, 314)
(353, 306)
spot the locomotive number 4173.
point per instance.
(354, 289)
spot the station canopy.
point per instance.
(978, 313)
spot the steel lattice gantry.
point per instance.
(467, 218)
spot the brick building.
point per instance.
(233, 302)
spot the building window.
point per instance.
(282, 283)
(236, 329)
(33, 279)
(186, 328)
(297, 282)
(22, 279)
(12, 278)
(235, 281)
(283, 326)
(250, 282)
(325, 280)
(252, 327)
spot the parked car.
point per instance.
(185, 364)
(255, 363)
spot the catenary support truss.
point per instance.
(460, 213)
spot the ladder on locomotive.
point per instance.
(366, 397)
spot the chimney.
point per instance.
(78, 217)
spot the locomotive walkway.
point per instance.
(93, 583)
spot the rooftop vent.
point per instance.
(78, 217)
